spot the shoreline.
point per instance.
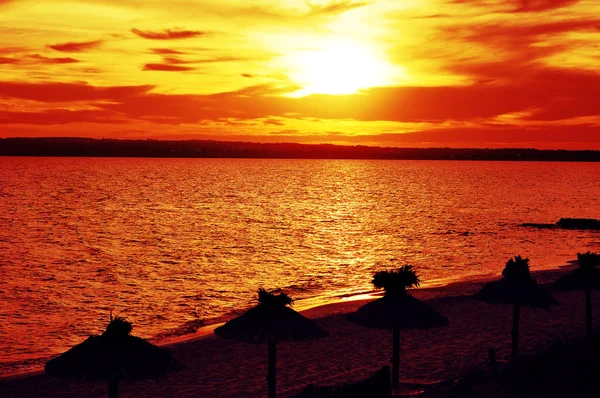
(339, 305)
(82, 147)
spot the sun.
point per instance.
(338, 67)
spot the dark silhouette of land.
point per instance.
(88, 147)
(590, 224)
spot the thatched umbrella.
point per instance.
(518, 289)
(113, 356)
(270, 321)
(397, 309)
(586, 277)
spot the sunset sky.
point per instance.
(474, 73)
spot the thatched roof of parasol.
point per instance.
(517, 287)
(587, 276)
(271, 318)
(397, 308)
(115, 353)
(398, 311)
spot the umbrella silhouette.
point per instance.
(397, 309)
(113, 356)
(586, 277)
(271, 321)
(518, 289)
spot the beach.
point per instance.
(222, 368)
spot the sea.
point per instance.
(175, 244)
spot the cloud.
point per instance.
(549, 94)
(167, 34)
(168, 67)
(288, 132)
(511, 33)
(333, 7)
(224, 59)
(12, 50)
(91, 70)
(571, 94)
(273, 122)
(281, 13)
(166, 51)
(171, 63)
(496, 136)
(512, 52)
(574, 136)
(247, 75)
(75, 46)
(5, 61)
(521, 6)
(59, 116)
(174, 61)
(69, 92)
(541, 5)
(34, 59)
(48, 60)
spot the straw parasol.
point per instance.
(271, 321)
(397, 309)
(518, 289)
(113, 356)
(586, 277)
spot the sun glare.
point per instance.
(339, 67)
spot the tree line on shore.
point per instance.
(89, 147)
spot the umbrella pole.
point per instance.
(271, 376)
(113, 387)
(588, 311)
(515, 331)
(396, 356)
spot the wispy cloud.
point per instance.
(168, 34)
(12, 50)
(74, 47)
(519, 45)
(166, 67)
(518, 6)
(67, 92)
(333, 7)
(35, 59)
(174, 61)
(6, 61)
(59, 116)
(166, 51)
(49, 60)
(541, 5)
(224, 59)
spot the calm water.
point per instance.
(173, 243)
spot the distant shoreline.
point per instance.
(89, 147)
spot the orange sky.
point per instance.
(476, 73)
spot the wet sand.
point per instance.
(221, 368)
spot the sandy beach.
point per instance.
(221, 368)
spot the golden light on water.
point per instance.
(340, 66)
